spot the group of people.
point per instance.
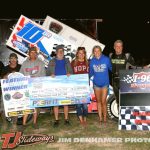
(98, 67)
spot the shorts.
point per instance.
(105, 86)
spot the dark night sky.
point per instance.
(121, 20)
(135, 34)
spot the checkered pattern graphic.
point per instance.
(128, 79)
(68, 52)
(127, 118)
(66, 48)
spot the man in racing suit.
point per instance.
(119, 61)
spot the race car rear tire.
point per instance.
(112, 108)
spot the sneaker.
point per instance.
(56, 123)
(35, 126)
(67, 122)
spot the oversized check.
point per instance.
(60, 90)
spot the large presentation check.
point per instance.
(22, 94)
(60, 90)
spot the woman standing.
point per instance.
(99, 69)
(80, 66)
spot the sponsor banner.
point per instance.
(15, 95)
(134, 99)
(61, 90)
(135, 81)
(28, 33)
(73, 36)
(134, 118)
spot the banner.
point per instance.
(134, 99)
(71, 35)
(28, 33)
(60, 90)
(15, 95)
(135, 81)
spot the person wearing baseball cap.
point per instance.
(13, 66)
(56, 67)
(13, 55)
(58, 47)
(33, 67)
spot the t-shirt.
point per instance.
(33, 68)
(60, 67)
(79, 67)
(7, 70)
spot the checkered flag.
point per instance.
(128, 119)
(128, 79)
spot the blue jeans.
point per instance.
(82, 110)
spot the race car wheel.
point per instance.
(112, 108)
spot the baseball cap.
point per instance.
(59, 47)
(13, 55)
(32, 49)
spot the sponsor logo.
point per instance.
(19, 45)
(13, 140)
(32, 33)
(142, 77)
(65, 102)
